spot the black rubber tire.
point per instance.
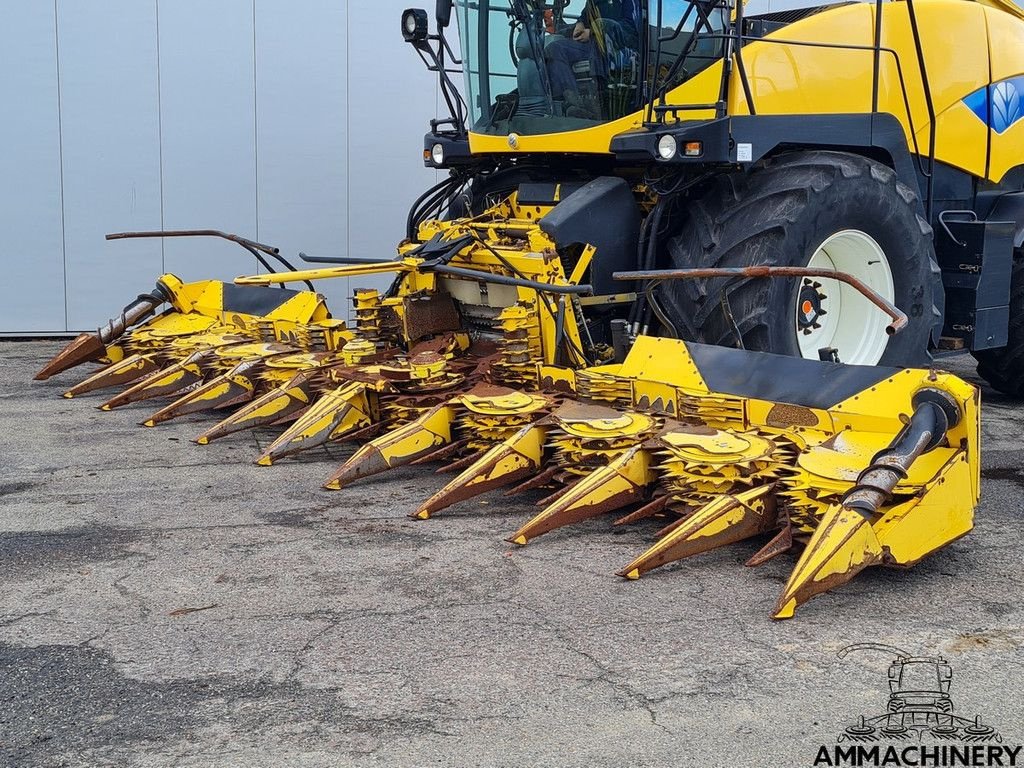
(779, 214)
(1003, 368)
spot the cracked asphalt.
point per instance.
(166, 604)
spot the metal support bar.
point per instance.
(738, 53)
(326, 273)
(250, 245)
(877, 68)
(899, 318)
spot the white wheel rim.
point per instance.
(850, 323)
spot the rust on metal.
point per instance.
(647, 510)
(781, 543)
(84, 349)
(444, 452)
(537, 481)
(782, 415)
(429, 316)
(461, 464)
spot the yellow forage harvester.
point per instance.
(687, 282)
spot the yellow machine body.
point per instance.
(966, 46)
(480, 353)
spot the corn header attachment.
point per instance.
(481, 358)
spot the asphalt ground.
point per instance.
(165, 604)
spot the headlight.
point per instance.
(437, 154)
(667, 147)
(414, 25)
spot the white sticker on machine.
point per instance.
(744, 153)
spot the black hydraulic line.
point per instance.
(341, 259)
(659, 312)
(653, 307)
(411, 223)
(876, 73)
(744, 82)
(730, 317)
(650, 255)
(929, 102)
(490, 277)
(641, 260)
(657, 63)
(434, 204)
(256, 249)
(560, 325)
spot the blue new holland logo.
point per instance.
(999, 105)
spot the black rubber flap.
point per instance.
(782, 379)
(534, 193)
(546, 193)
(602, 213)
(254, 299)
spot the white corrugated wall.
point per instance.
(295, 122)
(298, 123)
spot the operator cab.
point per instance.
(535, 67)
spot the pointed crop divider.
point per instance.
(843, 545)
(621, 482)
(781, 543)
(537, 481)
(225, 390)
(725, 520)
(444, 452)
(117, 374)
(459, 464)
(269, 408)
(334, 416)
(651, 509)
(398, 447)
(667, 529)
(85, 348)
(505, 463)
(166, 381)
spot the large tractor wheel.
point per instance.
(1003, 368)
(829, 210)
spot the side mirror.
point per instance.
(414, 25)
(444, 13)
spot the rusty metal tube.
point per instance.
(934, 414)
(137, 311)
(899, 318)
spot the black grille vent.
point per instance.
(766, 23)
